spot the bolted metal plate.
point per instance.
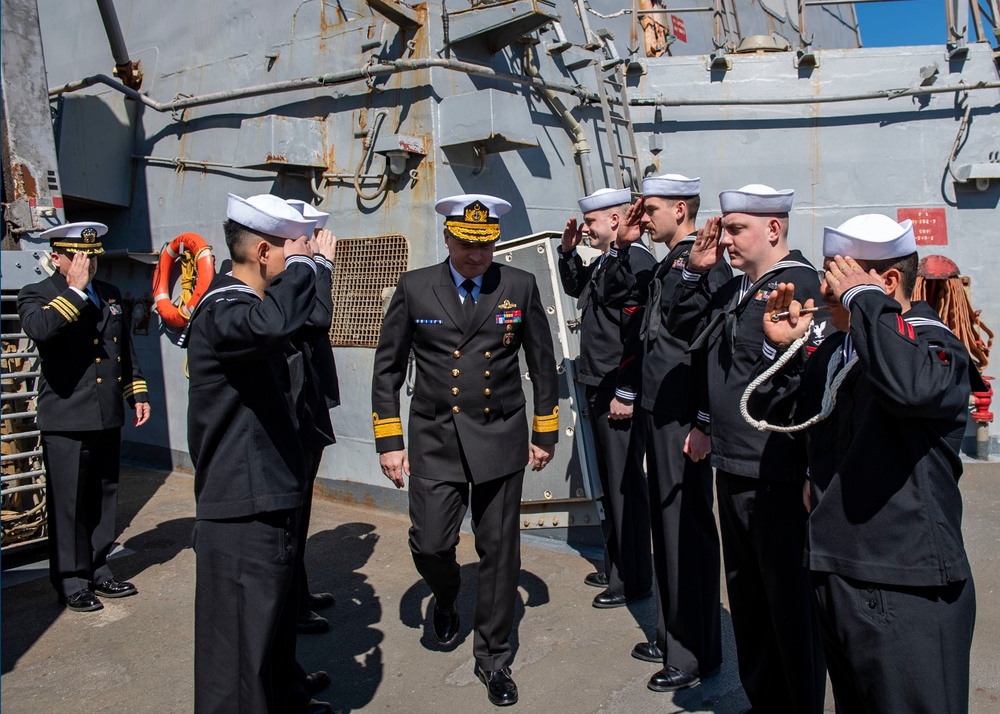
(272, 141)
(364, 270)
(572, 473)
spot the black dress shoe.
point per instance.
(500, 688)
(648, 652)
(320, 601)
(597, 580)
(317, 707)
(82, 601)
(670, 679)
(607, 600)
(312, 624)
(115, 588)
(445, 624)
(316, 682)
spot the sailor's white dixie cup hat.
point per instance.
(605, 198)
(309, 212)
(757, 198)
(269, 214)
(671, 185)
(870, 236)
(77, 237)
(473, 217)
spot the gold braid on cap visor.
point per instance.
(88, 248)
(473, 232)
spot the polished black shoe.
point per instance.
(312, 624)
(316, 682)
(317, 707)
(500, 688)
(607, 600)
(648, 652)
(445, 624)
(82, 601)
(597, 580)
(321, 601)
(115, 588)
(670, 679)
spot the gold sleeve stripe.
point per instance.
(544, 424)
(65, 308)
(388, 427)
(136, 387)
(70, 307)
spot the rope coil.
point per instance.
(833, 381)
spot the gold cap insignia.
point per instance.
(476, 224)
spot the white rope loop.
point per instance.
(833, 381)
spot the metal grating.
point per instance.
(22, 474)
(364, 272)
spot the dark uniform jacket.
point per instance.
(731, 328)
(656, 366)
(242, 432)
(88, 362)
(884, 466)
(603, 329)
(313, 369)
(468, 403)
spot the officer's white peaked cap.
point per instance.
(269, 214)
(78, 237)
(757, 198)
(605, 198)
(454, 206)
(309, 211)
(870, 236)
(671, 185)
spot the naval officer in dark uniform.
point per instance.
(758, 479)
(467, 320)
(250, 469)
(890, 577)
(659, 373)
(627, 573)
(88, 366)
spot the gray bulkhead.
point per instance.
(763, 117)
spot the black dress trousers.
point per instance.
(778, 644)
(245, 568)
(685, 548)
(619, 446)
(436, 512)
(82, 472)
(893, 649)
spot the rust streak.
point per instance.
(24, 183)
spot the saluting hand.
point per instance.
(324, 243)
(79, 275)
(630, 226)
(572, 235)
(842, 274)
(707, 250)
(142, 412)
(299, 246)
(395, 465)
(788, 329)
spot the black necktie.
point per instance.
(469, 304)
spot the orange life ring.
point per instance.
(177, 315)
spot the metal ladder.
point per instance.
(22, 484)
(613, 92)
